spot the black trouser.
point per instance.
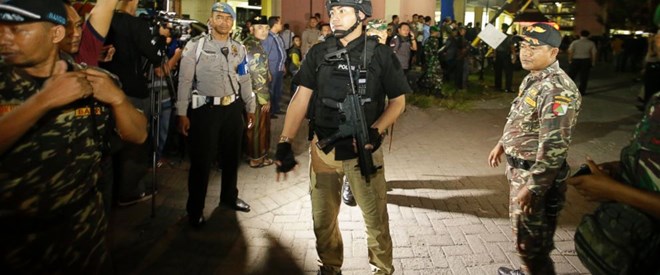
(503, 65)
(216, 134)
(580, 68)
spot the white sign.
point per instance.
(492, 36)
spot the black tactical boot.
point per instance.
(347, 194)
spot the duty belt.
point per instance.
(519, 163)
(221, 100)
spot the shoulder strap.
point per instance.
(198, 53)
(372, 42)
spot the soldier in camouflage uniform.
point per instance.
(259, 136)
(535, 140)
(432, 78)
(623, 235)
(53, 121)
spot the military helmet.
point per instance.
(361, 5)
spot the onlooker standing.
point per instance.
(294, 57)
(219, 87)
(581, 57)
(276, 58)
(258, 137)
(132, 40)
(325, 32)
(53, 122)
(84, 39)
(462, 67)
(504, 63)
(403, 44)
(536, 140)
(287, 37)
(432, 78)
(395, 24)
(310, 36)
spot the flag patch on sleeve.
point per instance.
(559, 108)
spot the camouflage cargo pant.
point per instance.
(534, 232)
(65, 242)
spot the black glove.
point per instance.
(284, 155)
(375, 139)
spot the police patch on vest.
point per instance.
(87, 111)
(559, 108)
(344, 67)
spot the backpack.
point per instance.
(618, 239)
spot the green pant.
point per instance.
(326, 176)
(534, 232)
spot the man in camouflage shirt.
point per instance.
(432, 79)
(259, 135)
(535, 140)
(623, 235)
(52, 126)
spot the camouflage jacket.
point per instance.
(431, 48)
(56, 162)
(258, 64)
(641, 159)
(540, 124)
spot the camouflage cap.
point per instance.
(377, 24)
(541, 34)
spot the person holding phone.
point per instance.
(623, 235)
(403, 44)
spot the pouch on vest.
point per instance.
(618, 239)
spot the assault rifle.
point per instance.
(353, 122)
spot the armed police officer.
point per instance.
(214, 78)
(535, 140)
(324, 83)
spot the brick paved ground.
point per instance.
(448, 209)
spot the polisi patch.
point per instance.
(344, 67)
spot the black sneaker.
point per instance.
(347, 194)
(508, 271)
(135, 199)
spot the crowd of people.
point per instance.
(77, 122)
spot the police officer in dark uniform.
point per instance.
(214, 78)
(52, 126)
(320, 80)
(504, 63)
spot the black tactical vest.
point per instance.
(334, 83)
